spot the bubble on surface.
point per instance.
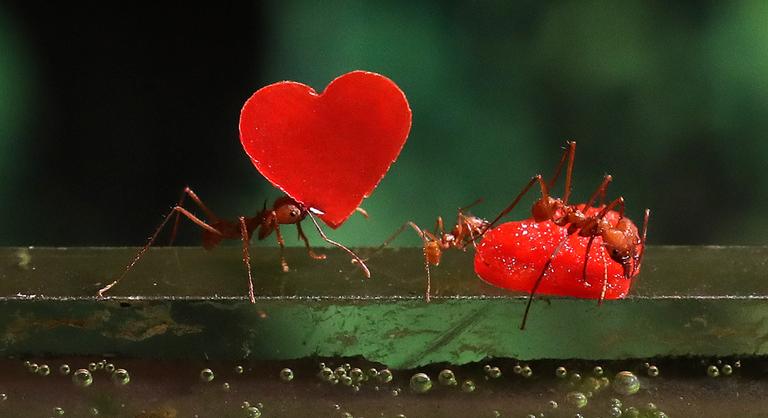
(64, 369)
(356, 374)
(626, 383)
(92, 366)
(44, 370)
(110, 368)
(576, 399)
(597, 371)
(713, 371)
(726, 369)
(121, 377)
(93, 411)
(82, 378)
(206, 375)
(468, 386)
(421, 383)
(446, 377)
(239, 369)
(385, 376)
(252, 412)
(561, 372)
(58, 411)
(653, 371)
(286, 375)
(552, 404)
(631, 412)
(526, 371)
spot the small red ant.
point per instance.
(461, 235)
(622, 240)
(284, 211)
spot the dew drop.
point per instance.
(597, 371)
(82, 378)
(64, 369)
(340, 371)
(626, 383)
(239, 369)
(372, 372)
(526, 371)
(346, 380)
(561, 372)
(575, 378)
(356, 374)
(517, 369)
(495, 372)
(326, 374)
(615, 411)
(653, 371)
(110, 368)
(206, 375)
(421, 383)
(286, 375)
(552, 404)
(33, 367)
(226, 387)
(121, 377)
(713, 371)
(576, 399)
(92, 366)
(631, 412)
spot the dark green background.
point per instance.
(106, 113)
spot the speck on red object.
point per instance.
(512, 256)
(328, 151)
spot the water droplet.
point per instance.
(396, 392)
(727, 369)
(58, 411)
(517, 369)
(659, 414)
(495, 372)
(653, 371)
(553, 404)
(340, 371)
(225, 387)
(356, 374)
(346, 366)
(447, 378)
(421, 383)
(121, 377)
(650, 406)
(44, 370)
(575, 378)
(561, 372)
(385, 376)
(372, 372)
(110, 368)
(252, 412)
(626, 383)
(82, 377)
(346, 415)
(3, 397)
(245, 404)
(737, 364)
(100, 365)
(64, 369)
(615, 402)
(321, 365)
(614, 411)
(631, 412)
(576, 399)
(487, 368)
(286, 375)
(356, 388)
(92, 366)
(33, 367)
(206, 375)
(93, 411)
(713, 371)
(468, 386)
(239, 369)
(597, 371)
(27, 364)
(526, 372)
(345, 380)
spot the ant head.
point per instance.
(545, 208)
(288, 211)
(621, 243)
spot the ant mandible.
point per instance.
(461, 235)
(284, 211)
(622, 240)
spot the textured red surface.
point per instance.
(327, 151)
(512, 256)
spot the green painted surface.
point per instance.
(184, 303)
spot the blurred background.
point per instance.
(106, 112)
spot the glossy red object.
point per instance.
(327, 151)
(512, 256)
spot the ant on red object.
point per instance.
(461, 235)
(284, 211)
(624, 244)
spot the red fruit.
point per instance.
(327, 151)
(512, 256)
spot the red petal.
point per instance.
(327, 151)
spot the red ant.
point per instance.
(461, 235)
(284, 211)
(621, 240)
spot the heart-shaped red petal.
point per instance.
(512, 256)
(327, 151)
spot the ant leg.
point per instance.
(538, 281)
(332, 242)
(192, 195)
(247, 257)
(360, 211)
(586, 258)
(569, 153)
(280, 241)
(605, 282)
(439, 226)
(531, 182)
(600, 191)
(619, 201)
(642, 242)
(177, 209)
(306, 242)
